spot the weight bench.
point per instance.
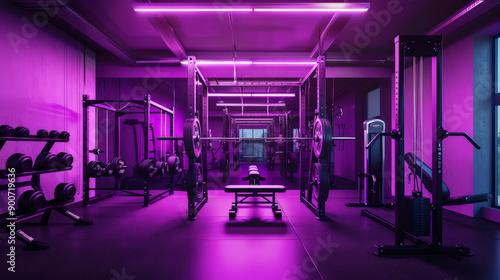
(427, 181)
(263, 191)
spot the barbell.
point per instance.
(191, 136)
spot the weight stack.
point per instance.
(417, 212)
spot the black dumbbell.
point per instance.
(64, 135)
(95, 169)
(6, 130)
(147, 168)
(20, 163)
(64, 192)
(54, 134)
(119, 166)
(21, 131)
(162, 168)
(108, 170)
(64, 160)
(31, 201)
(42, 133)
(45, 161)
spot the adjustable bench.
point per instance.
(263, 191)
(427, 181)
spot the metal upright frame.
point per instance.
(306, 197)
(146, 107)
(418, 46)
(198, 108)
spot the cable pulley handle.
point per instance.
(377, 136)
(466, 137)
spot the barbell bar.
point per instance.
(191, 136)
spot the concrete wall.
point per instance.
(44, 74)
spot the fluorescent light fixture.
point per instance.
(277, 7)
(251, 94)
(284, 62)
(222, 104)
(182, 7)
(219, 62)
(315, 7)
(229, 94)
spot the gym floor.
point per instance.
(129, 242)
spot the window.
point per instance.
(252, 151)
(497, 120)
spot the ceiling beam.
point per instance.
(76, 21)
(167, 33)
(329, 35)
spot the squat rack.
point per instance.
(143, 106)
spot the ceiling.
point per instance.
(264, 35)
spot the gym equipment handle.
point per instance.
(466, 136)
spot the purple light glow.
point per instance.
(284, 62)
(251, 105)
(251, 94)
(277, 7)
(219, 62)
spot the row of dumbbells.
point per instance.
(20, 131)
(148, 168)
(32, 201)
(116, 167)
(253, 177)
(45, 161)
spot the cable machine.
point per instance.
(413, 216)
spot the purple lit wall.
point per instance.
(344, 157)
(43, 76)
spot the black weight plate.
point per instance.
(191, 138)
(194, 182)
(108, 170)
(321, 182)
(322, 134)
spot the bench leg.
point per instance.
(276, 210)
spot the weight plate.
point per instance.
(191, 138)
(119, 167)
(174, 164)
(147, 168)
(194, 182)
(320, 182)
(322, 134)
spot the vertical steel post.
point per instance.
(437, 155)
(399, 144)
(85, 156)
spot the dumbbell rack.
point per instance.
(59, 207)
(144, 106)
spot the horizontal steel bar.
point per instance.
(270, 139)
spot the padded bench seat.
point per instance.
(266, 192)
(255, 188)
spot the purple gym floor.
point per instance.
(129, 242)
